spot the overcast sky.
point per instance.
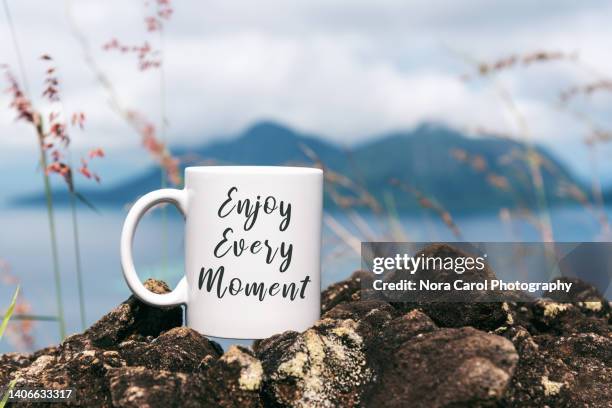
(345, 69)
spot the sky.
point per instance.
(345, 70)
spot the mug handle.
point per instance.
(141, 206)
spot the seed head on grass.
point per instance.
(429, 204)
(598, 136)
(515, 60)
(480, 165)
(146, 56)
(156, 148)
(358, 195)
(56, 138)
(602, 85)
(19, 102)
(159, 11)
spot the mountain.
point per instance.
(459, 172)
(265, 143)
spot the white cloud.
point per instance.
(345, 69)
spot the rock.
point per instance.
(447, 367)
(484, 316)
(567, 318)
(134, 317)
(11, 362)
(436, 273)
(328, 365)
(580, 291)
(84, 371)
(325, 366)
(343, 291)
(141, 387)
(234, 380)
(362, 352)
(479, 309)
(399, 331)
(231, 381)
(372, 315)
(569, 371)
(584, 296)
(132, 338)
(179, 349)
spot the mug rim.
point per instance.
(253, 169)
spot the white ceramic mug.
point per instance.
(252, 249)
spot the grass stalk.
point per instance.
(533, 164)
(7, 393)
(20, 64)
(53, 234)
(39, 318)
(345, 235)
(76, 238)
(77, 259)
(397, 231)
(597, 193)
(8, 313)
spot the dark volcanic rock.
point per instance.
(447, 367)
(344, 291)
(234, 380)
(453, 308)
(437, 273)
(571, 371)
(179, 349)
(372, 316)
(579, 292)
(114, 360)
(143, 387)
(399, 331)
(134, 317)
(84, 371)
(584, 296)
(568, 318)
(325, 366)
(484, 316)
(360, 353)
(11, 362)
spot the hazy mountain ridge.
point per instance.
(457, 171)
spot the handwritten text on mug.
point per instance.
(230, 245)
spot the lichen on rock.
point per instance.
(251, 371)
(551, 387)
(325, 366)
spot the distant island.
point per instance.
(401, 170)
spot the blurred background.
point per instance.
(464, 120)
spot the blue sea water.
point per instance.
(24, 245)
